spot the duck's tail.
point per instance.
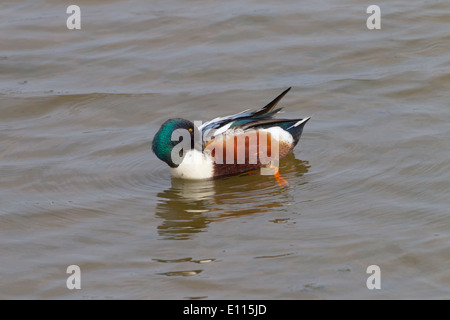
(296, 128)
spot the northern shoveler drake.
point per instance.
(228, 145)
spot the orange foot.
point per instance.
(279, 179)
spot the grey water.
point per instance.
(369, 182)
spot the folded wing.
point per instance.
(220, 125)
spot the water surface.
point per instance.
(369, 181)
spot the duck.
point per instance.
(229, 145)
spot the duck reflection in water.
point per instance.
(187, 207)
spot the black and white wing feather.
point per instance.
(243, 119)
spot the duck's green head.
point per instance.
(174, 139)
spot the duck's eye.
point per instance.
(190, 129)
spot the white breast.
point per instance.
(195, 166)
